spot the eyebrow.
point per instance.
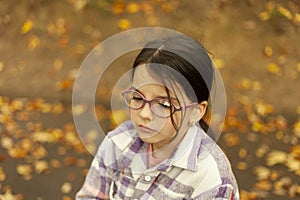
(162, 97)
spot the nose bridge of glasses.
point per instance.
(146, 108)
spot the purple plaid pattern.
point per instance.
(198, 169)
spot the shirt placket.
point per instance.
(144, 183)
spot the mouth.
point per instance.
(146, 129)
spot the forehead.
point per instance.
(146, 82)
(142, 77)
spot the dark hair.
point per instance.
(177, 53)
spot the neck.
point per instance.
(164, 150)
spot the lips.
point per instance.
(146, 129)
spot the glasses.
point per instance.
(161, 107)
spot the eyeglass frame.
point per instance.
(150, 103)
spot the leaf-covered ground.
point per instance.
(43, 42)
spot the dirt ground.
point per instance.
(43, 43)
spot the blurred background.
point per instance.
(256, 46)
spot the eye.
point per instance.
(136, 97)
(165, 104)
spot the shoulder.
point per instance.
(123, 135)
(209, 149)
(216, 166)
(116, 141)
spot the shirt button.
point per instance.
(148, 178)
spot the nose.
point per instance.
(145, 112)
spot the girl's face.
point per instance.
(151, 128)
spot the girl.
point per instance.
(166, 150)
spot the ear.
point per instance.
(198, 112)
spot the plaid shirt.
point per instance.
(197, 169)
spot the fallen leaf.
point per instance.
(292, 163)
(58, 64)
(39, 152)
(274, 69)
(265, 185)
(276, 157)
(7, 142)
(78, 109)
(124, 24)
(219, 63)
(132, 8)
(268, 51)
(1, 66)
(41, 166)
(264, 15)
(231, 139)
(25, 170)
(263, 109)
(243, 153)
(27, 26)
(69, 161)
(17, 152)
(33, 42)
(242, 165)
(283, 11)
(55, 163)
(8, 195)
(118, 7)
(296, 129)
(118, 116)
(262, 172)
(66, 188)
(2, 174)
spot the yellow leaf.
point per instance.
(242, 165)
(58, 64)
(263, 109)
(274, 69)
(297, 17)
(118, 116)
(2, 174)
(219, 63)
(133, 8)
(243, 153)
(298, 67)
(285, 12)
(66, 188)
(262, 172)
(25, 170)
(41, 166)
(264, 16)
(1, 66)
(276, 157)
(9, 196)
(118, 8)
(39, 152)
(27, 26)
(6, 142)
(33, 42)
(78, 109)
(292, 163)
(270, 6)
(42, 136)
(296, 129)
(124, 24)
(268, 51)
(55, 163)
(264, 185)
(17, 105)
(257, 126)
(168, 7)
(249, 195)
(231, 139)
(298, 110)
